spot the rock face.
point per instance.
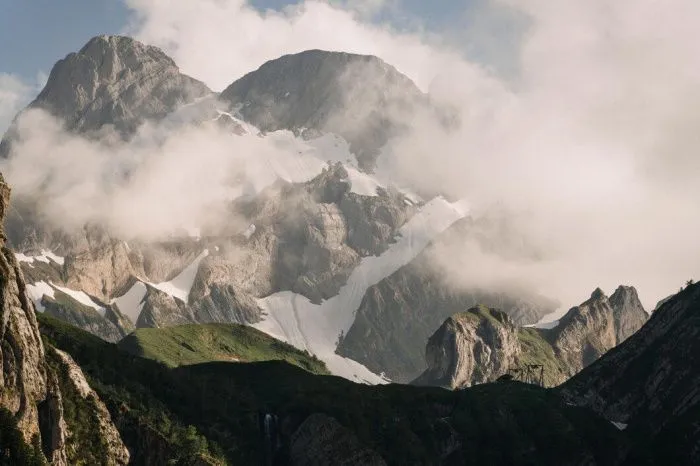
(322, 441)
(23, 375)
(30, 385)
(115, 453)
(306, 238)
(117, 81)
(482, 344)
(471, 347)
(357, 96)
(591, 329)
(651, 380)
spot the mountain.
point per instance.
(306, 245)
(359, 97)
(195, 344)
(113, 81)
(483, 344)
(651, 384)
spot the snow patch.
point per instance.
(131, 303)
(82, 298)
(544, 325)
(249, 231)
(44, 257)
(317, 327)
(180, 286)
(37, 291)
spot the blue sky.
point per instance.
(36, 33)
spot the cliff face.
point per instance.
(591, 329)
(23, 375)
(482, 344)
(471, 347)
(31, 387)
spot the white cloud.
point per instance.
(14, 94)
(219, 41)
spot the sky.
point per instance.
(578, 120)
(35, 34)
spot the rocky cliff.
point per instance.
(650, 383)
(482, 344)
(472, 347)
(31, 386)
(591, 329)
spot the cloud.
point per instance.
(220, 41)
(14, 94)
(597, 143)
(590, 152)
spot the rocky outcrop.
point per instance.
(358, 97)
(472, 347)
(115, 453)
(31, 388)
(23, 375)
(593, 328)
(322, 441)
(482, 344)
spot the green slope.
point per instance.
(194, 344)
(214, 411)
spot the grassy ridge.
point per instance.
(195, 344)
(213, 410)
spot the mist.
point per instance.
(590, 149)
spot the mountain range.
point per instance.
(220, 342)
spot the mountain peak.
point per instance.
(598, 294)
(359, 97)
(125, 47)
(112, 80)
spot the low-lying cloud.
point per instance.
(592, 146)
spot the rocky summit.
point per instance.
(359, 97)
(483, 344)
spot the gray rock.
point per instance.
(482, 344)
(31, 387)
(591, 329)
(472, 347)
(113, 81)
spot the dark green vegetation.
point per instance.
(13, 449)
(214, 411)
(193, 344)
